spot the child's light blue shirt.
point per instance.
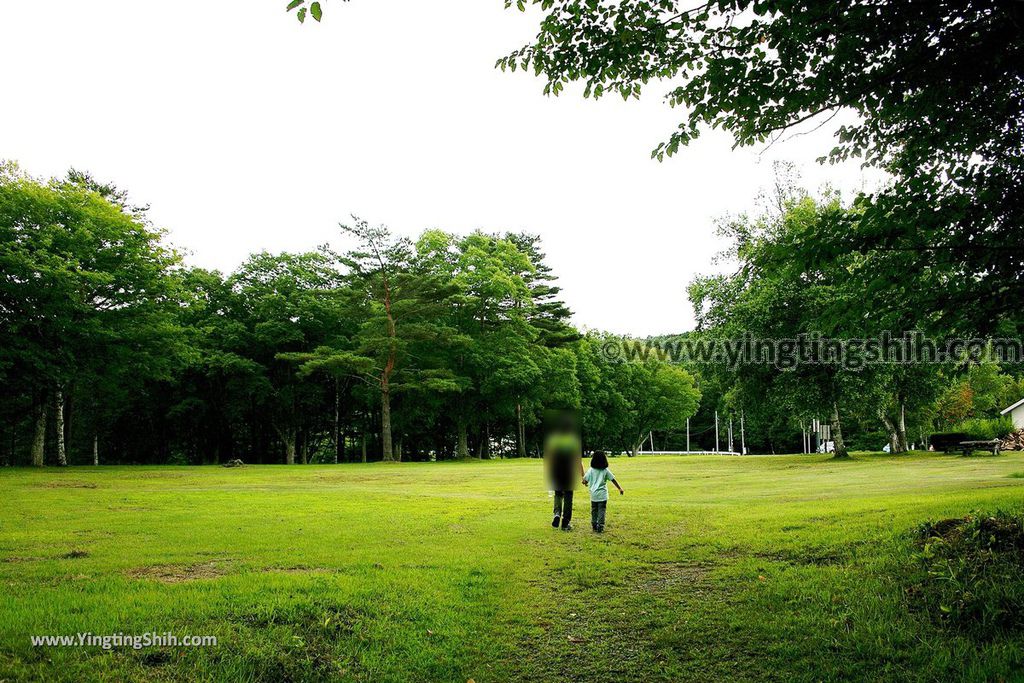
(598, 480)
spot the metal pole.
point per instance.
(687, 435)
(716, 431)
(650, 435)
(743, 437)
(731, 450)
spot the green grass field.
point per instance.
(712, 568)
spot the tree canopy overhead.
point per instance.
(937, 92)
(946, 70)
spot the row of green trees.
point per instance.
(795, 275)
(114, 350)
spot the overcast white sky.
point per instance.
(246, 131)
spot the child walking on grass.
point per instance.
(597, 478)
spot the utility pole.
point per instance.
(716, 431)
(743, 437)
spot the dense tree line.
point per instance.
(772, 295)
(114, 350)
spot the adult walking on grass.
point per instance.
(563, 456)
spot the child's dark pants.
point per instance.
(597, 510)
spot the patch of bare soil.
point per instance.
(674, 576)
(298, 569)
(178, 573)
(68, 485)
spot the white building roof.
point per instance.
(1018, 403)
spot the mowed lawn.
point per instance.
(712, 568)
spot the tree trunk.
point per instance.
(58, 413)
(288, 438)
(901, 432)
(398, 449)
(462, 450)
(897, 431)
(304, 453)
(385, 378)
(9, 459)
(520, 432)
(890, 430)
(385, 425)
(39, 438)
(837, 433)
(95, 449)
(337, 423)
(363, 446)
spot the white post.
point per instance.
(716, 431)
(650, 435)
(743, 437)
(731, 449)
(687, 435)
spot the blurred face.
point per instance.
(562, 422)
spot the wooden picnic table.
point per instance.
(967, 447)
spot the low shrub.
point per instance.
(985, 429)
(972, 577)
(948, 441)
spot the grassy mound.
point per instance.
(973, 573)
